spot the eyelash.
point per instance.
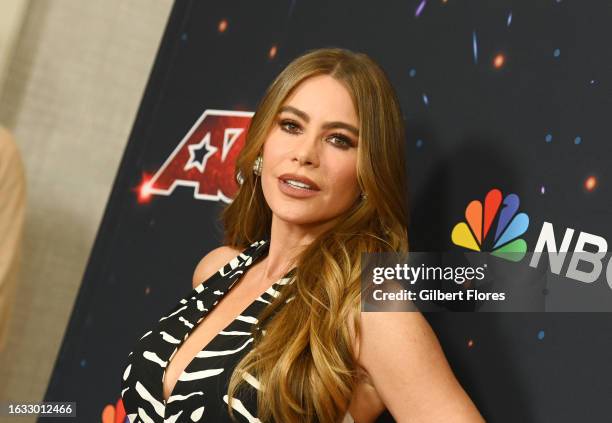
(346, 142)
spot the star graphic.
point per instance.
(194, 149)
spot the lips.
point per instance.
(302, 179)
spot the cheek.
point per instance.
(275, 145)
(342, 177)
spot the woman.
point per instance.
(322, 178)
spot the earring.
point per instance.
(363, 196)
(258, 165)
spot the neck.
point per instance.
(287, 241)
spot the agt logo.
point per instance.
(203, 160)
(496, 227)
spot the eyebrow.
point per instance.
(327, 125)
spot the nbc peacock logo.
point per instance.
(474, 233)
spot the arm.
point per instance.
(409, 370)
(12, 215)
(212, 263)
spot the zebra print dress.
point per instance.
(200, 391)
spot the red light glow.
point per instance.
(144, 189)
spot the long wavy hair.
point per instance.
(303, 354)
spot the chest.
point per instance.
(236, 308)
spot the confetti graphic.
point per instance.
(475, 47)
(419, 9)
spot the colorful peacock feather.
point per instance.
(472, 233)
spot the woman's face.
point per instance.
(315, 136)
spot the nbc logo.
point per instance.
(477, 232)
(501, 218)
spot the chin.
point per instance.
(298, 217)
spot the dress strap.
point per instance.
(239, 265)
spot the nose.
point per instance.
(306, 151)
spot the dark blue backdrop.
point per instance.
(507, 94)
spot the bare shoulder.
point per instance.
(212, 262)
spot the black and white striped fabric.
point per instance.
(200, 393)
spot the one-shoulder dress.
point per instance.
(200, 393)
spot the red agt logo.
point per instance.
(204, 159)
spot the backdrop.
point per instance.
(512, 95)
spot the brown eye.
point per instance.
(289, 126)
(343, 142)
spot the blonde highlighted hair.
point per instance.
(306, 362)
